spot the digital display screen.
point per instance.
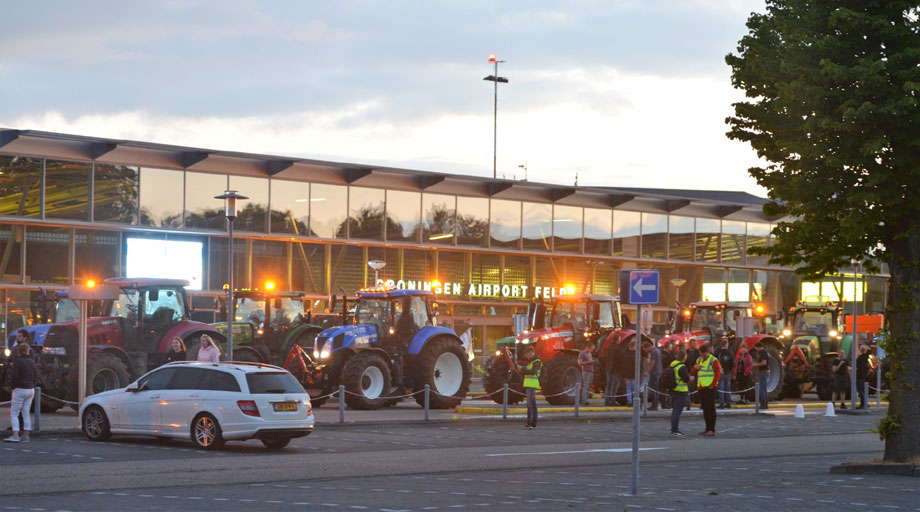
(168, 259)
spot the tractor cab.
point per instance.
(147, 309)
(263, 317)
(396, 315)
(815, 326)
(707, 321)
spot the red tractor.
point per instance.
(131, 337)
(573, 320)
(737, 322)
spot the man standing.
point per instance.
(531, 384)
(862, 371)
(654, 375)
(761, 372)
(727, 362)
(693, 354)
(586, 362)
(679, 393)
(613, 353)
(628, 370)
(708, 372)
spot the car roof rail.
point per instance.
(253, 363)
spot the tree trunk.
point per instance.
(902, 441)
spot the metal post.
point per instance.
(878, 382)
(866, 393)
(578, 391)
(37, 424)
(231, 307)
(635, 440)
(81, 355)
(645, 400)
(853, 345)
(505, 402)
(757, 396)
(341, 403)
(427, 396)
(495, 127)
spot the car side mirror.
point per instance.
(277, 303)
(132, 388)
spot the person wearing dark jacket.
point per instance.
(23, 375)
(177, 351)
(628, 371)
(679, 393)
(693, 353)
(862, 372)
(727, 362)
(613, 354)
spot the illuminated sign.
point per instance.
(506, 291)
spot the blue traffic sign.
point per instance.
(643, 286)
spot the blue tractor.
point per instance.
(392, 347)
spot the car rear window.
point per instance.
(216, 380)
(273, 382)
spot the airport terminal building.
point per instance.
(74, 208)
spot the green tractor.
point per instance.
(813, 337)
(268, 323)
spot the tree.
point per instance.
(832, 106)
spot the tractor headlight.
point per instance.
(315, 353)
(324, 354)
(787, 332)
(833, 333)
(7, 352)
(498, 352)
(54, 351)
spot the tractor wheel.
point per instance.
(825, 390)
(105, 372)
(444, 366)
(297, 372)
(792, 390)
(777, 374)
(247, 355)
(366, 377)
(560, 379)
(499, 374)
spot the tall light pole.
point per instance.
(855, 343)
(495, 79)
(230, 197)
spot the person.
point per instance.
(208, 353)
(586, 362)
(668, 355)
(531, 384)
(177, 352)
(628, 370)
(613, 354)
(693, 354)
(744, 368)
(727, 362)
(23, 375)
(841, 369)
(654, 375)
(708, 372)
(862, 372)
(22, 336)
(679, 393)
(761, 372)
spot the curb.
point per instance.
(867, 468)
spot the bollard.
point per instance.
(866, 395)
(505, 402)
(341, 403)
(645, 400)
(38, 410)
(427, 396)
(578, 391)
(757, 398)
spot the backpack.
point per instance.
(668, 380)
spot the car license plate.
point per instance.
(284, 406)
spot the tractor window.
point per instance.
(816, 323)
(66, 310)
(605, 315)
(169, 302)
(573, 313)
(373, 312)
(250, 310)
(126, 305)
(291, 312)
(419, 312)
(706, 319)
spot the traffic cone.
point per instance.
(830, 409)
(799, 411)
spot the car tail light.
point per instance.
(248, 407)
(309, 408)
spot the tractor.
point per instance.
(268, 324)
(131, 337)
(813, 340)
(391, 347)
(574, 319)
(704, 322)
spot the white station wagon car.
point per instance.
(209, 403)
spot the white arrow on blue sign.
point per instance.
(643, 286)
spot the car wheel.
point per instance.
(206, 433)
(275, 442)
(95, 424)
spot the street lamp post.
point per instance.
(230, 197)
(496, 80)
(854, 344)
(376, 265)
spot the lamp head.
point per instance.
(230, 197)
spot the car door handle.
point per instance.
(193, 396)
(154, 397)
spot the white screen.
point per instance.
(168, 259)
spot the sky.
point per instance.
(620, 93)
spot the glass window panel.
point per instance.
(161, 198)
(347, 268)
(452, 269)
(548, 274)
(758, 235)
(20, 186)
(290, 208)
(714, 284)
(733, 241)
(308, 267)
(201, 209)
(680, 238)
(606, 278)
(403, 215)
(66, 190)
(486, 275)
(654, 235)
(692, 290)
(366, 213)
(250, 213)
(578, 274)
(626, 233)
(708, 232)
(48, 256)
(537, 226)
(472, 221)
(217, 263)
(438, 219)
(505, 225)
(269, 263)
(567, 229)
(96, 254)
(115, 194)
(739, 288)
(328, 210)
(418, 265)
(598, 224)
(11, 253)
(517, 272)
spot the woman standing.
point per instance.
(23, 375)
(177, 353)
(208, 353)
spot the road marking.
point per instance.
(599, 450)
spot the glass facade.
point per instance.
(680, 237)
(439, 215)
(598, 223)
(733, 249)
(290, 207)
(201, 209)
(626, 233)
(66, 190)
(48, 255)
(708, 236)
(472, 221)
(654, 235)
(403, 216)
(115, 193)
(250, 213)
(328, 210)
(537, 226)
(366, 214)
(567, 228)
(505, 225)
(161, 198)
(20, 186)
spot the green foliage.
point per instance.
(887, 426)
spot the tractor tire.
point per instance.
(560, 379)
(445, 367)
(105, 372)
(366, 377)
(247, 355)
(777, 374)
(313, 392)
(825, 391)
(499, 374)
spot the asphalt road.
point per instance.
(755, 463)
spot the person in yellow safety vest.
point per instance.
(531, 384)
(708, 371)
(679, 397)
